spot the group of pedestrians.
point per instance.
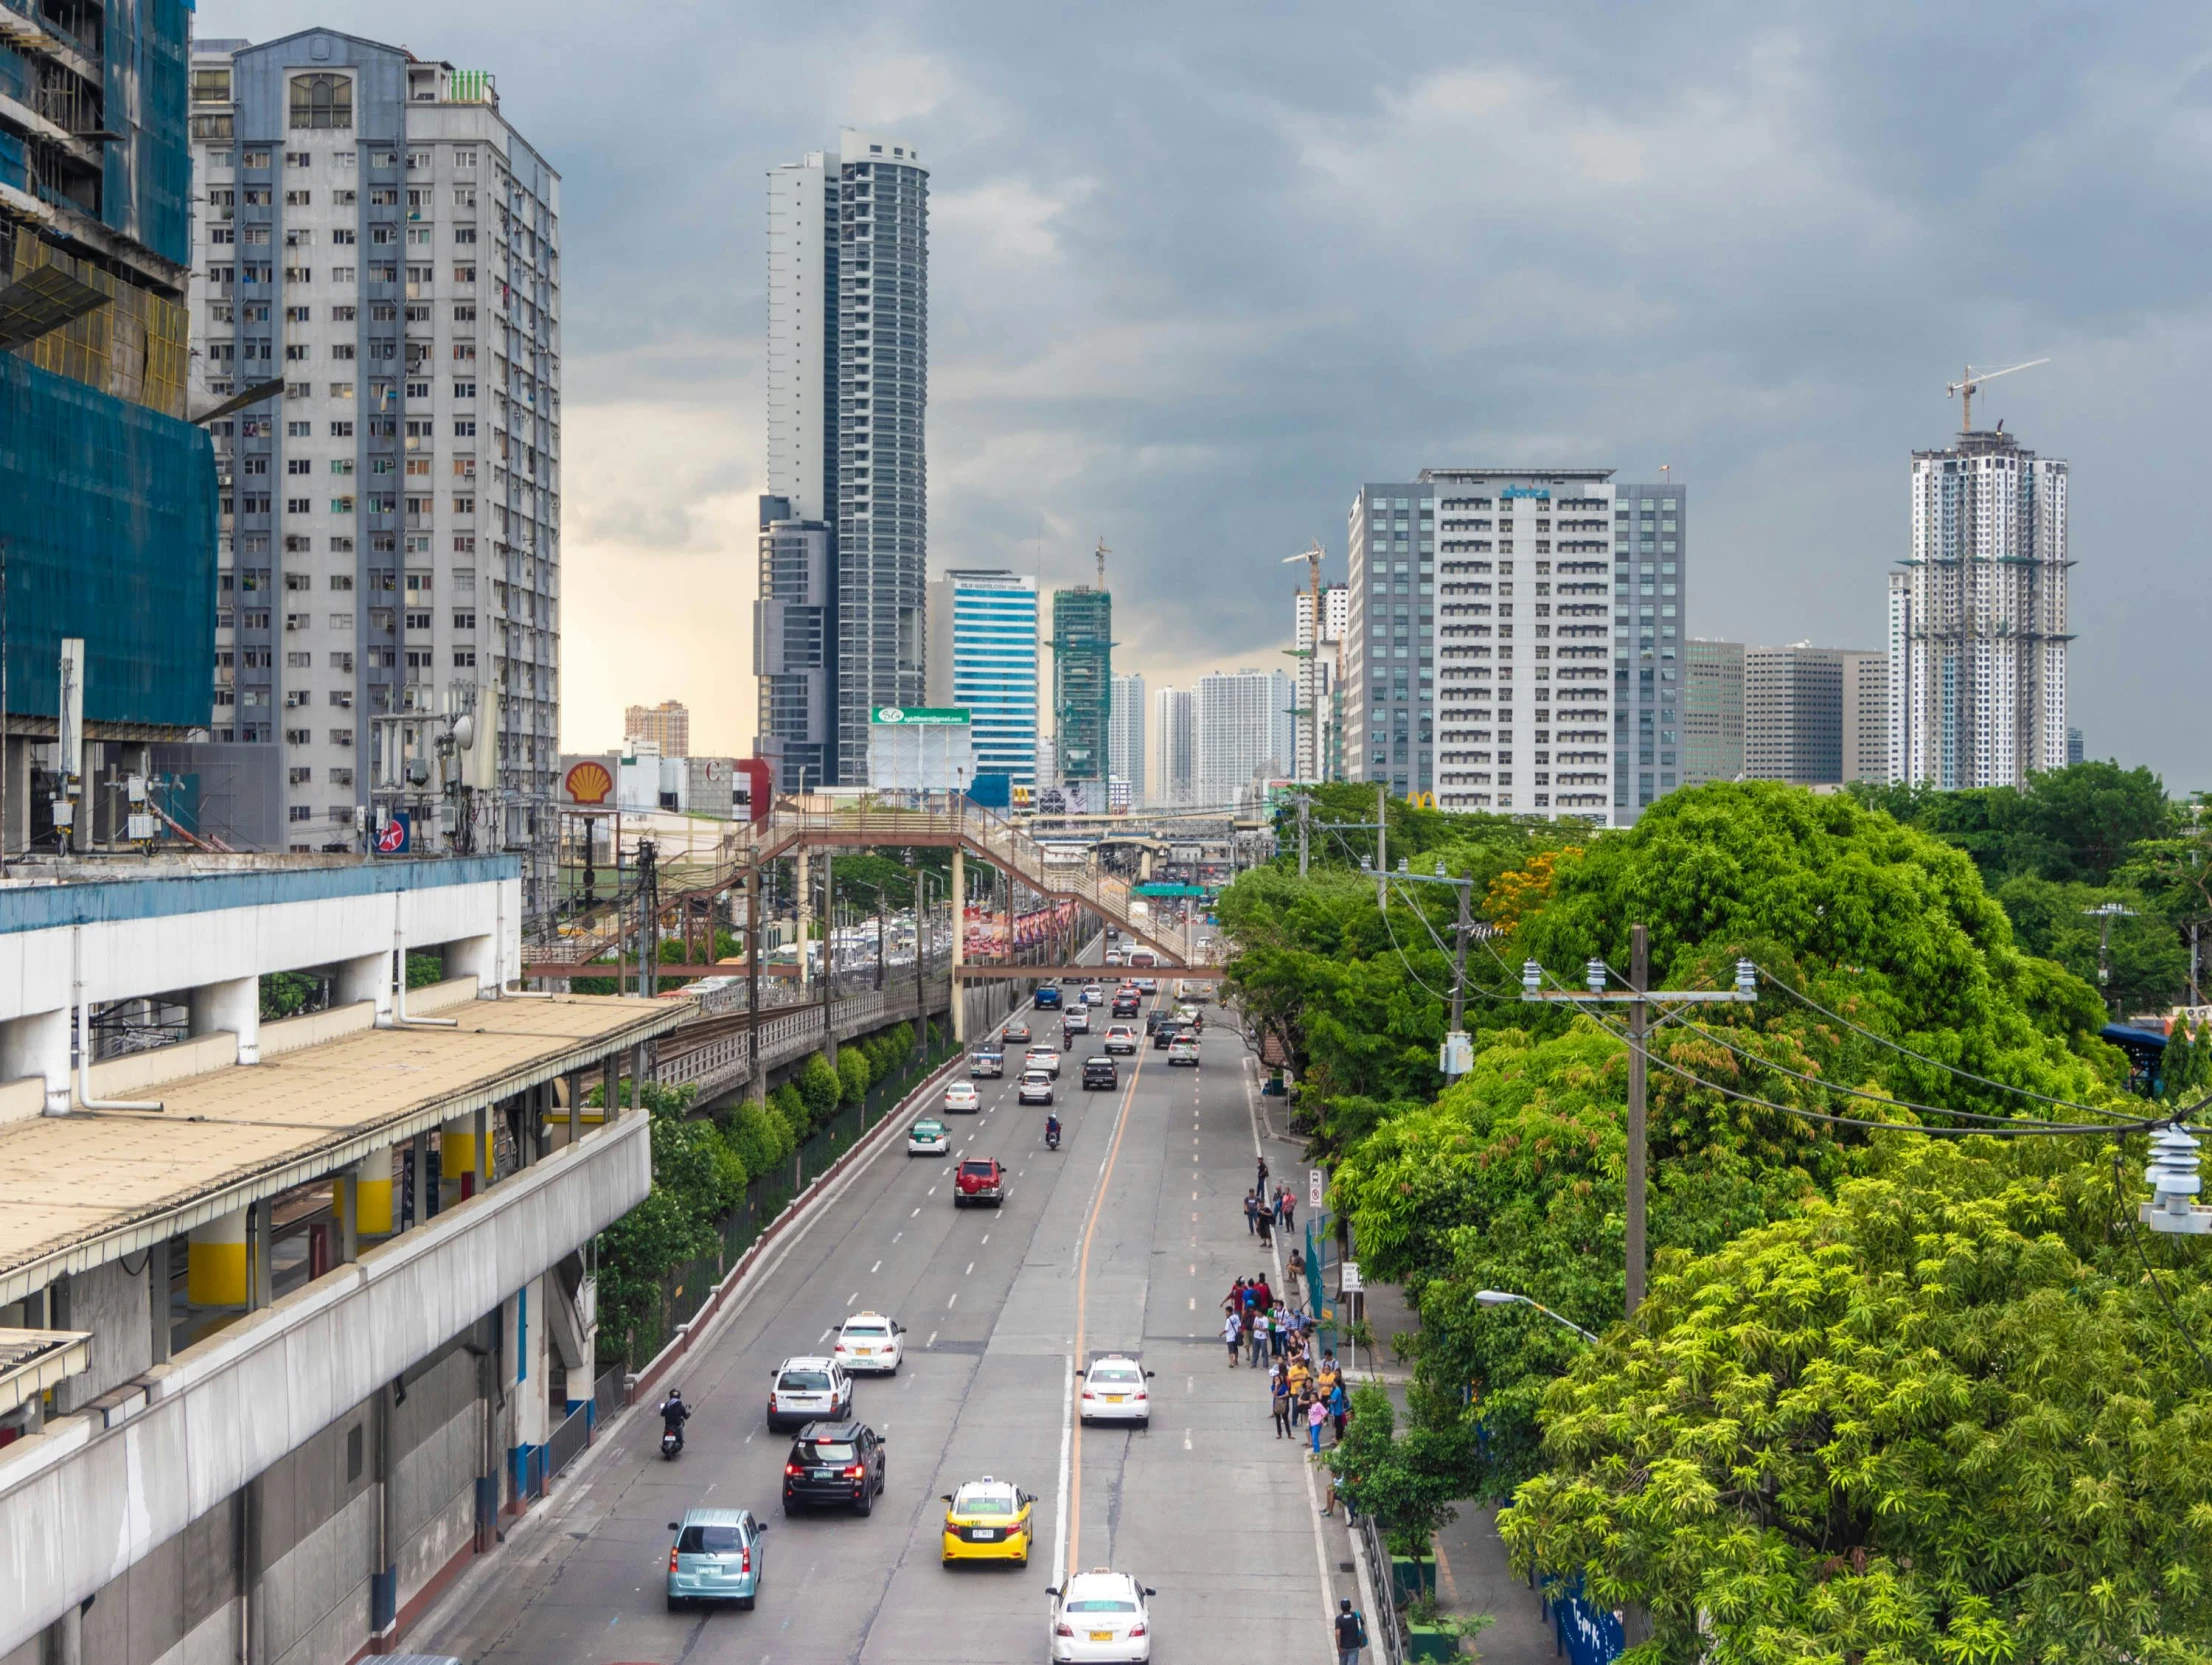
(1254, 1318)
(1266, 1213)
(1311, 1396)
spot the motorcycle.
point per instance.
(1052, 1138)
(672, 1441)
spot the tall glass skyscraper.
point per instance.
(983, 655)
(848, 391)
(1082, 681)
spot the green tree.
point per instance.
(1941, 1419)
(760, 1137)
(819, 1090)
(2148, 963)
(852, 1074)
(285, 994)
(1407, 1482)
(2074, 825)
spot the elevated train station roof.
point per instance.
(82, 1189)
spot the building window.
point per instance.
(322, 101)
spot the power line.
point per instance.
(1921, 1057)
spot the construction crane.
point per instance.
(1970, 384)
(1103, 552)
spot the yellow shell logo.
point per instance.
(588, 783)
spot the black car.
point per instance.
(1127, 1005)
(1157, 1019)
(1165, 1033)
(836, 1463)
(1100, 1072)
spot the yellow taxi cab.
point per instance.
(988, 1520)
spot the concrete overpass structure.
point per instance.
(290, 1311)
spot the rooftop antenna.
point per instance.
(1970, 384)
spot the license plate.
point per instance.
(1102, 1636)
(984, 1534)
(864, 1352)
(1116, 1398)
(825, 1474)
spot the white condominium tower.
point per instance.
(370, 230)
(848, 394)
(1125, 736)
(1484, 657)
(1978, 620)
(1175, 727)
(1245, 733)
(1319, 740)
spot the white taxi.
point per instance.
(1044, 1058)
(869, 1342)
(961, 1097)
(1101, 1615)
(1114, 1391)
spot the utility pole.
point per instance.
(1639, 978)
(758, 1087)
(1639, 999)
(829, 955)
(2105, 913)
(1305, 817)
(1382, 836)
(921, 987)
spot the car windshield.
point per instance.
(1036, 1078)
(710, 1540)
(929, 1130)
(1115, 1375)
(828, 1451)
(1100, 1604)
(866, 1330)
(984, 1503)
(980, 1170)
(804, 1381)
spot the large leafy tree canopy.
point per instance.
(1942, 1418)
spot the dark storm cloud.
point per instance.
(1199, 271)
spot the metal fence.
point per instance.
(1385, 1633)
(568, 1440)
(689, 1287)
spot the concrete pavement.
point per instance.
(1127, 1237)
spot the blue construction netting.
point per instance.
(108, 509)
(1586, 1635)
(147, 192)
(11, 163)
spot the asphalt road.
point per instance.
(1127, 1237)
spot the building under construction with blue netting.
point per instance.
(108, 498)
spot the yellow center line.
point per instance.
(1082, 1299)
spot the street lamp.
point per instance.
(1505, 1298)
(2105, 913)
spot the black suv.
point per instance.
(834, 1462)
(1100, 1072)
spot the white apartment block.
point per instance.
(1524, 641)
(370, 230)
(1175, 732)
(1320, 656)
(1244, 734)
(1125, 739)
(1978, 619)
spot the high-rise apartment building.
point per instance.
(1529, 662)
(107, 487)
(848, 398)
(1865, 716)
(1650, 609)
(1245, 733)
(2075, 749)
(983, 656)
(1389, 646)
(1319, 724)
(1978, 617)
(375, 234)
(1712, 711)
(794, 646)
(1793, 714)
(665, 727)
(1125, 736)
(1175, 726)
(1082, 680)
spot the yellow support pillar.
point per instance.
(457, 1152)
(215, 1274)
(372, 1182)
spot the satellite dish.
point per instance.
(464, 730)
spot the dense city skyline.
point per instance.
(1757, 258)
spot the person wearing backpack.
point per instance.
(1351, 1633)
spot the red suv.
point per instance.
(979, 1181)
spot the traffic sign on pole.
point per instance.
(1317, 1188)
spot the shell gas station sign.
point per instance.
(588, 783)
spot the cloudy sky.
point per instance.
(1198, 271)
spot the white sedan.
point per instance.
(961, 1096)
(1035, 1088)
(1101, 1615)
(1114, 1391)
(869, 1342)
(1044, 1058)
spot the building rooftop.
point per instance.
(82, 1189)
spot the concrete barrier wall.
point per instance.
(80, 1505)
